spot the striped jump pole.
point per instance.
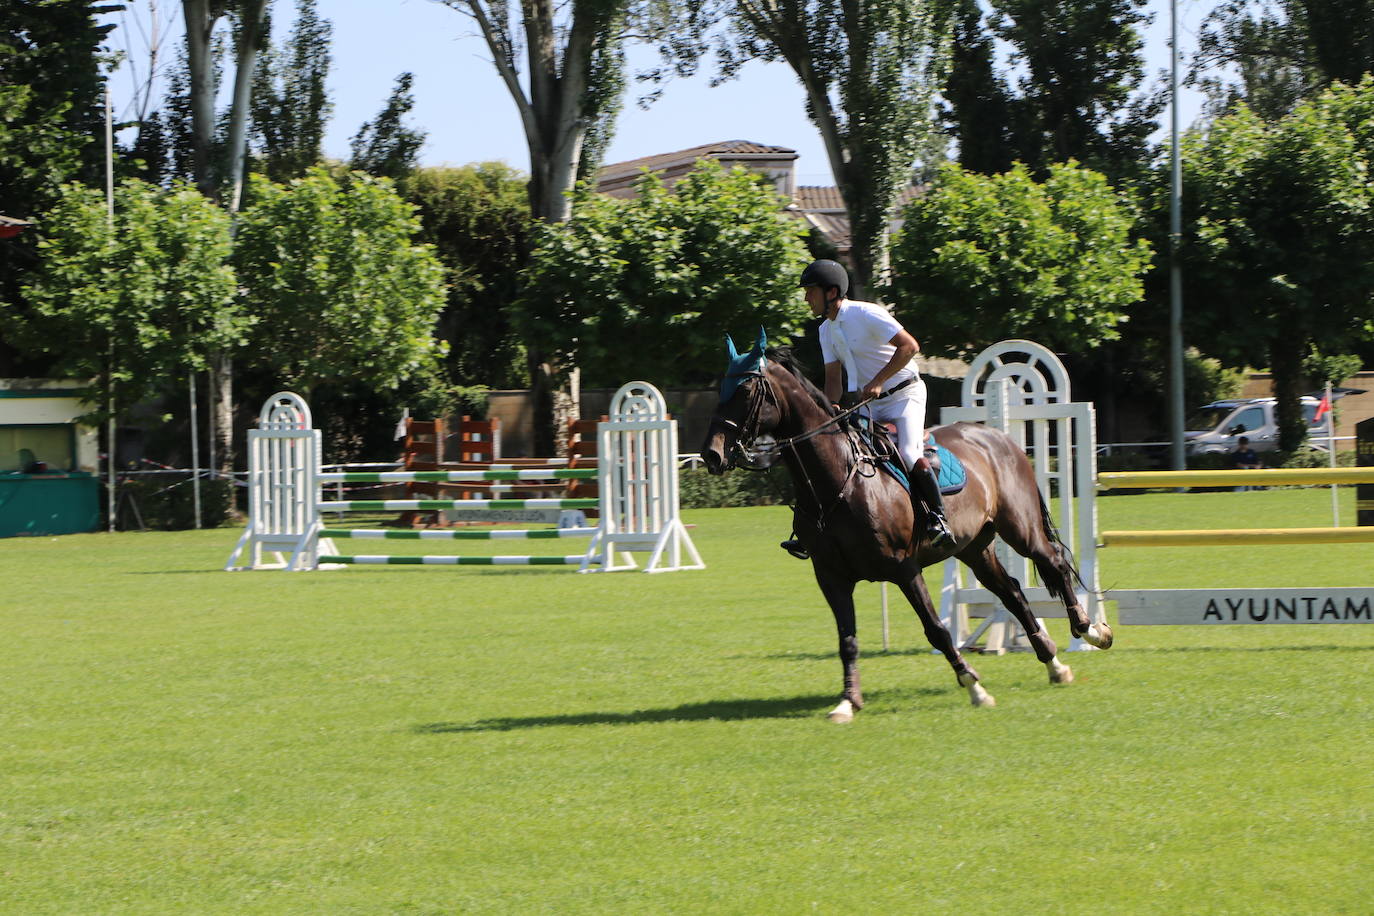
(457, 476)
(445, 560)
(454, 534)
(379, 505)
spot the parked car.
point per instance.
(1218, 426)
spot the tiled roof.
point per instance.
(811, 198)
(726, 149)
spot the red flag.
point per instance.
(1323, 408)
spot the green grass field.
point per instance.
(178, 739)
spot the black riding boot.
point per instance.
(925, 497)
(794, 547)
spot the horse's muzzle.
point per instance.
(713, 453)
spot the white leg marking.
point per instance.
(1060, 673)
(1099, 635)
(976, 694)
(842, 713)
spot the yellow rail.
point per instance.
(1272, 477)
(1220, 537)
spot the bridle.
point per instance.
(747, 436)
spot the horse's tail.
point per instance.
(1065, 553)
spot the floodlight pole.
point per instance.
(1176, 450)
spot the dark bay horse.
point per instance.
(857, 522)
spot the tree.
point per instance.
(1272, 53)
(216, 167)
(51, 113)
(1278, 253)
(341, 290)
(1256, 53)
(478, 220)
(571, 86)
(976, 103)
(1078, 98)
(984, 258)
(290, 104)
(647, 287)
(220, 165)
(870, 69)
(385, 146)
(135, 302)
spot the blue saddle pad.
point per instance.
(952, 475)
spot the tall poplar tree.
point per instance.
(871, 70)
(290, 105)
(386, 145)
(1079, 97)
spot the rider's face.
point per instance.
(815, 299)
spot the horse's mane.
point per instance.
(787, 359)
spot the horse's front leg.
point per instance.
(914, 588)
(839, 594)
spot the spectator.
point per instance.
(1245, 459)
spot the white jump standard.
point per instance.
(636, 473)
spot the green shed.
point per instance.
(48, 461)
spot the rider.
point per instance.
(879, 357)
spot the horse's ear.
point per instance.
(730, 346)
(762, 345)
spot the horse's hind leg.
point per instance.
(839, 594)
(994, 576)
(916, 592)
(1058, 576)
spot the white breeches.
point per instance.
(905, 410)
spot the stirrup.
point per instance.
(938, 533)
(794, 547)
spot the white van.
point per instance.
(1217, 427)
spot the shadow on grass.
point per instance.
(833, 655)
(802, 707)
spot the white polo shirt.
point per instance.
(859, 338)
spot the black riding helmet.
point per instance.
(825, 274)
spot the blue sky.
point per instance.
(469, 116)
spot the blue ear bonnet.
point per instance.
(742, 365)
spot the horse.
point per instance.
(857, 522)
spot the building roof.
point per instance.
(813, 199)
(725, 149)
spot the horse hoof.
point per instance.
(842, 713)
(1099, 635)
(1062, 674)
(980, 698)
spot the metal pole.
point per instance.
(211, 467)
(1176, 451)
(110, 432)
(195, 451)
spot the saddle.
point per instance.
(944, 464)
